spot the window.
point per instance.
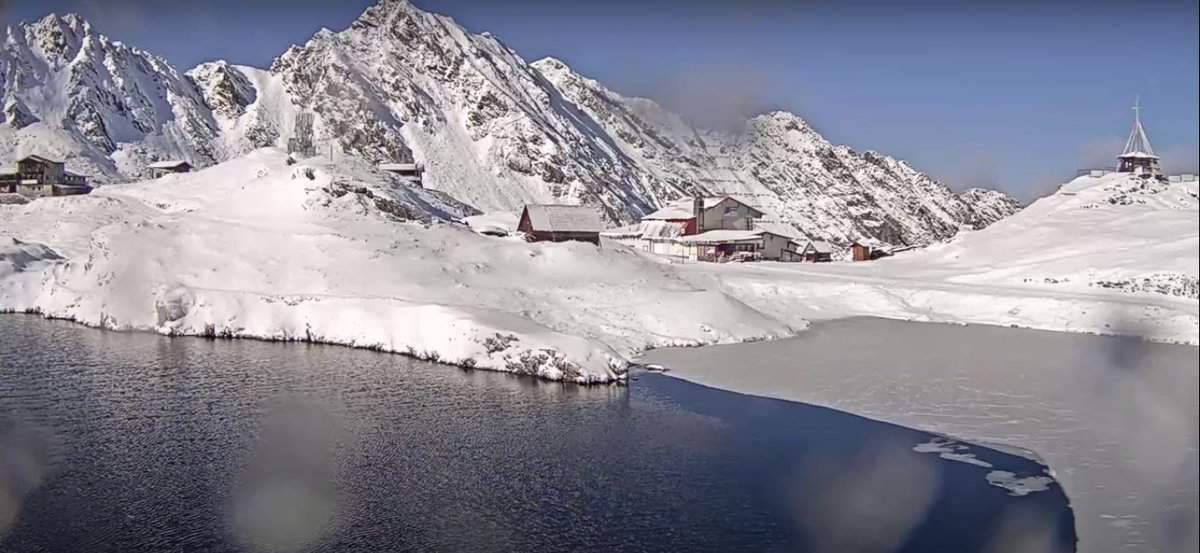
(731, 211)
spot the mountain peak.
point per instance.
(550, 63)
(72, 21)
(57, 36)
(387, 11)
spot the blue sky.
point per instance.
(1015, 95)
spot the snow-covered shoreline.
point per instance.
(258, 248)
(342, 254)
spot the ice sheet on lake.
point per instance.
(1114, 419)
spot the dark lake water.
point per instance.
(137, 442)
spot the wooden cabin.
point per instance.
(160, 168)
(860, 252)
(560, 223)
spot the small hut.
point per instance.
(560, 223)
(160, 168)
(860, 252)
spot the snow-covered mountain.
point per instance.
(781, 163)
(109, 108)
(493, 131)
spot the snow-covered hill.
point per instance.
(493, 131)
(1116, 232)
(255, 247)
(1110, 255)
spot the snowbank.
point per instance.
(494, 223)
(257, 248)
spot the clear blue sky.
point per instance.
(1013, 94)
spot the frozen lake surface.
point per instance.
(139, 442)
(1114, 418)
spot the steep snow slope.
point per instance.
(492, 130)
(401, 82)
(256, 248)
(106, 107)
(787, 168)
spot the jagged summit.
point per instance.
(403, 84)
(109, 108)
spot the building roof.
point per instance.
(564, 218)
(869, 243)
(627, 231)
(725, 236)
(662, 229)
(672, 211)
(169, 164)
(819, 246)
(682, 208)
(42, 159)
(718, 200)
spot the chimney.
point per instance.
(698, 212)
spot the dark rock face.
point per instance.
(16, 115)
(226, 91)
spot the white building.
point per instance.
(717, 228)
